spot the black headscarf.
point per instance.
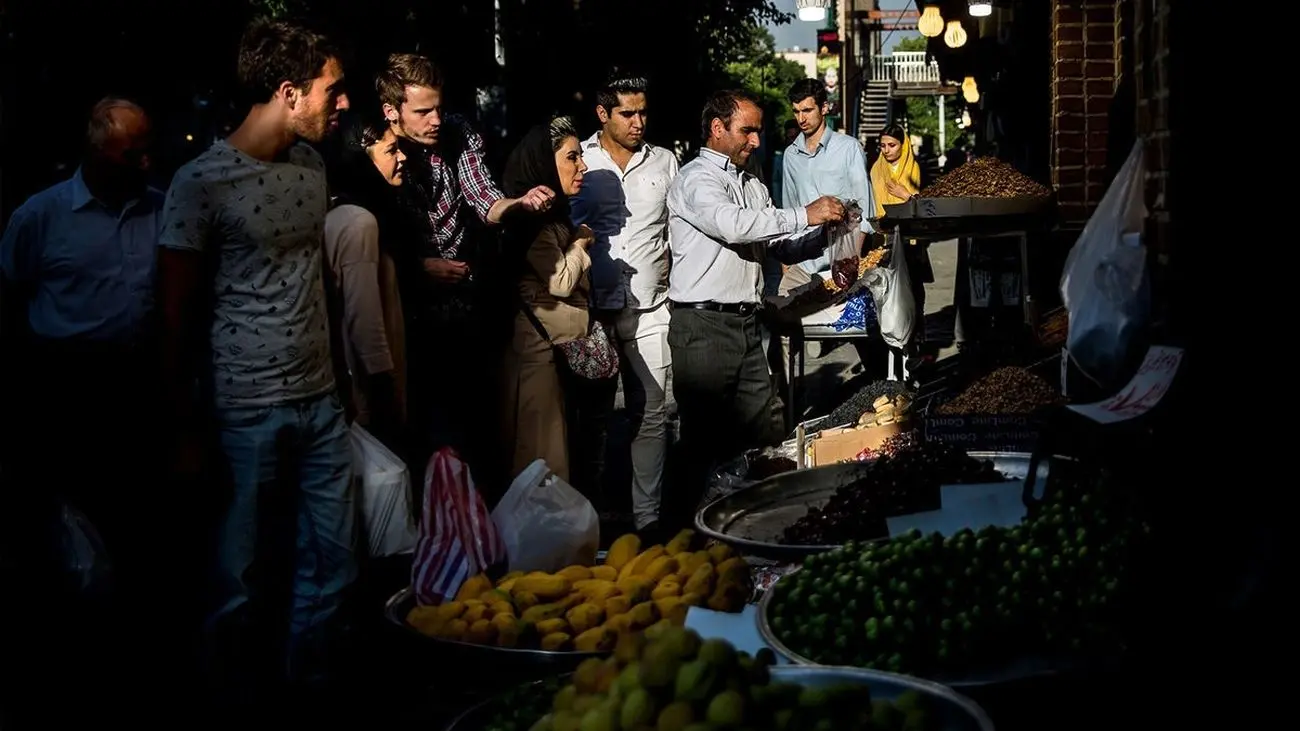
(532, 163)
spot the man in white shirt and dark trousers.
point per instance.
(624, 201)
(723, 226)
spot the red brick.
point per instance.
(1069, 105)
(1063, 14)
(1072, 211)
(1099, 15)
(1067, 87)
(1067, 32)
(1065, 69)
(1070, 140)
(1098, 120)
(1066, 50)
(1070, 176)
(1099, 87)
(1100, 50)
(1095, 193)
(1097, 158)
(1099, 69)
(1097, 140)
(1071, 157)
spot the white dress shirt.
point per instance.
(628, 211)
(722, 225)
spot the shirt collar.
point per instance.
(81, 195)
(593, 143)
(801, 142)
(720, 160)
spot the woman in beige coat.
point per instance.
(554, 287)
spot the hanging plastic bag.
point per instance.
(843, 248)
(1104, 284)
(385, 492)
(457, 539)
(547, 524)
(85, 561)
(891, 290)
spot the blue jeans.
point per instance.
(291, 461)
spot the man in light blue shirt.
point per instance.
(822, 162)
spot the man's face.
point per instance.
(809, 115)
(420, 116)
(739, 140)
(123, 160)
(625, 123)
(314, 113)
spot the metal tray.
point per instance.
(751, 520)
(954, 712)
(1020, 669)
(481, 656)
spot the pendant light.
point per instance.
(931, 22)
(970, 91)
(955, 36)
(813, 11)
(979, 9)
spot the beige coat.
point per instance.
(555, 286)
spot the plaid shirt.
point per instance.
(444, 182)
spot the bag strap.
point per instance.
(537, 324)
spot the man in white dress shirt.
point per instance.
(723, 226)
(624, 201)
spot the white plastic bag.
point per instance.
(545, 523)
(1104, 285)
(891, 289)
(385, 495)
(85, 561)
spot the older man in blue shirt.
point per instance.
(76, 283)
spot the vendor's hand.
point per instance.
(826, 209)
(583, 236)
(445, 271)
(538, 199)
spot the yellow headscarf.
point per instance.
(908, 176)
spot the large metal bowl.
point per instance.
(481, 657)
(751, 519)
(1024, 668)
(954, 712)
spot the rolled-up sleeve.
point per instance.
(475, 180)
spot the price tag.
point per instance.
(1143, 391)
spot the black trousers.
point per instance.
(725, 400)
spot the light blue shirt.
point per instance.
(84, 270)
(836, 167)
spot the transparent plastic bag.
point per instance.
(546, 523)
(843, 248)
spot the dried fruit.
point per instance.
(986, 177)
(1007, 390)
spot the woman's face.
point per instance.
(891, 148)
(569, 164)
(388, 157)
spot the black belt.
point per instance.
(744, 309)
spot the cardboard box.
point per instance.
(838, 445)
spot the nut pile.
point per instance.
(1007, 390)
(861, 402)
(986, 177)
(886, 410)
(907, 481)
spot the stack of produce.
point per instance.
(671, 680)
(861, 402)
(933, 606)
(986, 177)
(907, 481)
(519, 709)
(1007, 390)
(893, 445)
(584, 608)
(886, 410)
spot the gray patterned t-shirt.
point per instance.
(262, 223)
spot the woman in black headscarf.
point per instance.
(553, 288)
(363, 233)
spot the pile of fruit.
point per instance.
(671, 680)
(986, 177)
(886, 410)
(905, 481)
(584, 609)
(931, 605)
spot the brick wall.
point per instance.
(1083, 82)
(1151, 69)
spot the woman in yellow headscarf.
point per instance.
(895, 177)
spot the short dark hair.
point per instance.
(723, 105)
(619, 83)
(272, 52)
(401, 71)
(804, 88)
(363, 128)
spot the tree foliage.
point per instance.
(761, 72)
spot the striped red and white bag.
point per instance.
(457, 538)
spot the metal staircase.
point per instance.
(873, 110)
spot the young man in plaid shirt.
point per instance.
(450, 195)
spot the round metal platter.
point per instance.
(953, 711)
(752, 519)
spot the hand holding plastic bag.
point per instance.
(844, 250)
(1104, 284)
(457, 539)
(546, 523)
